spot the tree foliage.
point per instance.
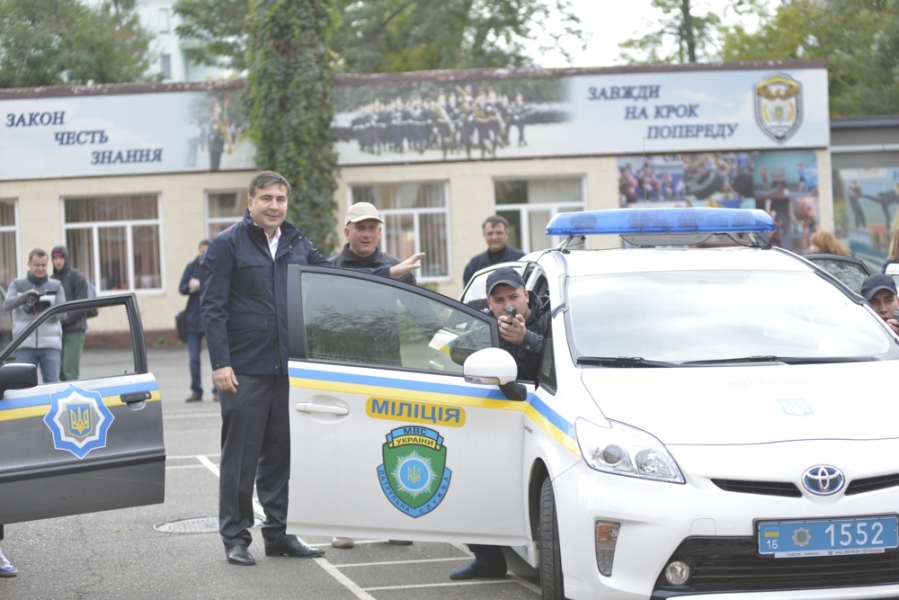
(289, 98)
(53, 42)
(858, 38)
(394, 35)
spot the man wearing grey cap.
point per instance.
(362, 228)
(880, 292)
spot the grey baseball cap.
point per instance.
(504, 276)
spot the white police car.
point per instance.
(707, 422)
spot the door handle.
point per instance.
(136, 397)
(309, 407)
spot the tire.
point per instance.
(709, 181)
(551, 582)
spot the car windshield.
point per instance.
(688, 316)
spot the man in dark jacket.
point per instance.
(244, 309)
(523, 337)
(74, 324)
(363, 233)
(496, 234)
(190, 287)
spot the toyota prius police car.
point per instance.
(707, 422)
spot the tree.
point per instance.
(289, 98)
(684, 36)
(858, 38)
(393, 35)
(53, 42)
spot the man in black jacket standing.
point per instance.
(496, 234)
(74, 324)
(363, 233)
(244, 308)
(190, 287)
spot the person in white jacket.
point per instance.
(27, 297)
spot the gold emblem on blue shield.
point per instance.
(78, 420)
(414, 476)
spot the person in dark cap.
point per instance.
(880, 292)
(522, 336)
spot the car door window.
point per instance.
(365, 322)
(851, 273)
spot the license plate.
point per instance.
(828, 537)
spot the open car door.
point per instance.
(82, 446)
(388, 440)
(850, 271)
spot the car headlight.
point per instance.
(624, 450)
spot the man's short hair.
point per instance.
(39, 252)
(265, 179)
(874, 283)
(495, 220)
(203, 243)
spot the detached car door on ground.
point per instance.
(388, 440)
(83, 446)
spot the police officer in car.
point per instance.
(880, 292)
(522, 335)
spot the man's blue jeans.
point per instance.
(194, 347)
(45, 358)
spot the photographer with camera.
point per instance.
(27, 298)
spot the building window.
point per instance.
(224, 209)
(164, 20)
(115, 241)
(9, 261)
(416, 219)
(166, 66)
(529, 204)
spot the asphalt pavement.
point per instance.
(119, 554)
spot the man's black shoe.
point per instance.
(239, 555)
(294, 548)
(477, 570)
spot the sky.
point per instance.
(607, 23)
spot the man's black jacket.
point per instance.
(243, 301)
(486, 258)
(347, 259)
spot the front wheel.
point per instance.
(550, 556)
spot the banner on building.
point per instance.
(783, 183)
(866, 211)
(426, 117)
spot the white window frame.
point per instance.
(415, 212)
(165, 20)
(220, 220)
(14, 228)
(524, 210)
(94, 227)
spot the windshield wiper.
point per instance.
(788, 360)
(741, 359)
(622, 361)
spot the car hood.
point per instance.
(752, 404)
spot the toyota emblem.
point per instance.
(823, 480)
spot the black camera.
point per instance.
(511, 312)
(35, 304)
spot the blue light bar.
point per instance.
(656, 221)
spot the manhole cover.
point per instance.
(196, 525)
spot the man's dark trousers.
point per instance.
(255, 446)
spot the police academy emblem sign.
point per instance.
(414, 476)
(778, 106)
(78, 420)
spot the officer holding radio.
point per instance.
(27, 298)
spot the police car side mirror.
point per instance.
(491, 366)
(17, 376)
